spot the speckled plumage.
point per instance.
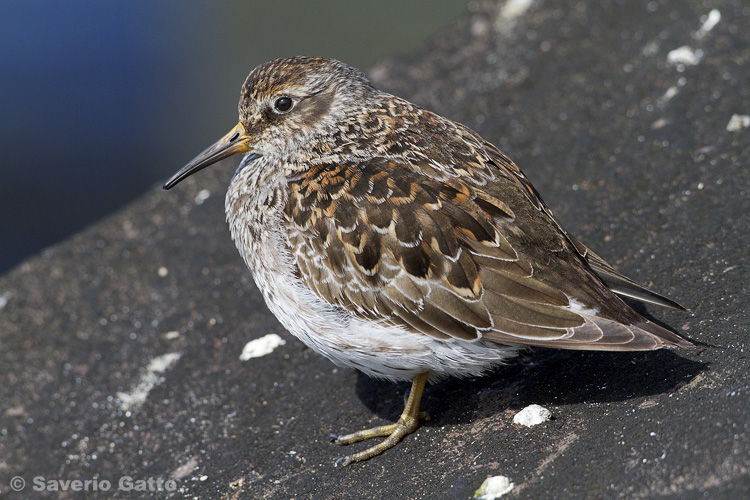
(397, 242)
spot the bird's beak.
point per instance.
(236, 141)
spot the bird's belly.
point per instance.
(377, 348)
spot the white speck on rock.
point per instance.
(262, 346)
(738, 122)
(4, 298)
(670, 93)
(162, 271)
(712, 19)
(494, 487)
(532, 415)
(186, 469)
(684, 55)
(133, 399)
(514, 8)
(202, 196)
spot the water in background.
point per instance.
(100, 100)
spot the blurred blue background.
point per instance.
(101, 100)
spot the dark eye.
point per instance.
(283, 104)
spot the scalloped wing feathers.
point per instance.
(442, 234)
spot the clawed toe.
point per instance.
(393, 433)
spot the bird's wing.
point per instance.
(612, 278)
(459, 252)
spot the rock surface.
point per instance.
(119, 348)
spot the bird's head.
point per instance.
(284, 104)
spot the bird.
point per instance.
(400, 243)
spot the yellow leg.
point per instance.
(407, 423)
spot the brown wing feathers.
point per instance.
(450, 258)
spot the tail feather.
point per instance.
(620, 284)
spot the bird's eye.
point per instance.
(283, 104)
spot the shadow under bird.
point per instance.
(395, 241)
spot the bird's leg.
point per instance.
(407, 423)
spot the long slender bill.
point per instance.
(236, 141)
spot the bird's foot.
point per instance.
(393, 433)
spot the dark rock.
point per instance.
(633, 155)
